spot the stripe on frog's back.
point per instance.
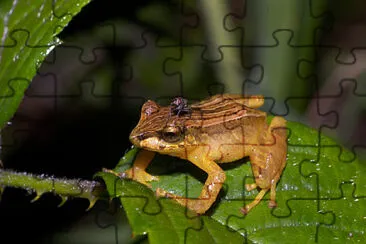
(215, 110)
(216, 100)
(219, 109)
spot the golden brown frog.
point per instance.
(220, 129)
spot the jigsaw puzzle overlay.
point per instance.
(128, 63)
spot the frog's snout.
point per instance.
(136, 139)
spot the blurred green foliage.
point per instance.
(28, 34)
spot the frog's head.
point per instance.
(159, 131)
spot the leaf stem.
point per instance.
(65, 188)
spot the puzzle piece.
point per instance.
(186, 31)
(329, 186)
(249, 11)
(266, 57)
(151, 78)
(344, 37)
(178, 66)
(286, 218)
(336, 96)
(105, 221)
(346, 206)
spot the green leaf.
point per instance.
(165, 221)
(27, 34)
(321, 196)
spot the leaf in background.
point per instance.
(28, 33)
(321, 196)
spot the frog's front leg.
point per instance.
(216, 177)
(138, 171)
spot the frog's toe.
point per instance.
(244, 210)
(153, 178)
(128, 174)
(250, 187)
(145, 177)
(105, 170)
(159, 192)
(272, 204)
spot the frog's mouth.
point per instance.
(152, 143)
(137, 139)
(145, 140)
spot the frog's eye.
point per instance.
(171, 134)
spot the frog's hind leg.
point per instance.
(268, 162)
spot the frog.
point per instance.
(219, 129)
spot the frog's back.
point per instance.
(222, 110)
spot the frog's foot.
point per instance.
(245, 210)
(135, 174)
(139, 175)
(199, 206)
(250, 187)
